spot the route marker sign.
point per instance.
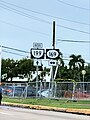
(52, 62)
(37, 45)
(37, 53)
(52, 53)
(37, 62)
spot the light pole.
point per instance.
(83, 73)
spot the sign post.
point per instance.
(52, 54)
(37, 80)
(37, 53)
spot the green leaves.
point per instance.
(16, 68)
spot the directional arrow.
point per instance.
(52, 62)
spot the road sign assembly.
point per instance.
(52, 62)
(52, 53)
(37, 53)
(37, 45)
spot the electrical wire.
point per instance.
(72, 5)
(77, 41)
(12, 53)
(24, 14)
(14, 49)
(68, 59)
(73, 29)
(24, 28)
(40, 13)
(40, 20)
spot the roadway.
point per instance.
(15, 113)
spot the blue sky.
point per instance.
(23, 22)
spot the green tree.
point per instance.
(8, 66)
(87, 75)
(76, 64)
(26, 68)
(19, 68)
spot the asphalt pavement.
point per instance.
(39, 107)
(16, 113)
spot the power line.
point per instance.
(24, 28)
(77, 41)
(48, 15)
(41, 20)
(12, 53)
(14, 49)
(72, 5)
(74, 29)
(68, 59)
(24, 14)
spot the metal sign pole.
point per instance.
(37, 79)
(37, 53)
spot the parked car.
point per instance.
(31, 91)
(13, 90)
(46, 93)
(7, 90)
(19, 91)
(40, 92)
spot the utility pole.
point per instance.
(53, 35)
(53, 45)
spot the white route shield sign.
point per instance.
(37, 53)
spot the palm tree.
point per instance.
(76, 64)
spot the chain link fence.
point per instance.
(67, 90)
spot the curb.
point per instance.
(39, 107)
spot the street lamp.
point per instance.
(83, 73)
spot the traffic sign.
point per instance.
(37, 53)
(52, 53)
(37, 45)
(52, 62)
(37, 62)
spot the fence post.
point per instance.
(13, 87)
(26, 88)
(49, 89)
(40, 87)
(73, 92)
(55, 89)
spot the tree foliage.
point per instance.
(19, 68)
(23, 68)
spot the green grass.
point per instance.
(79, 104)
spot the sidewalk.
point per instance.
(39, 107)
